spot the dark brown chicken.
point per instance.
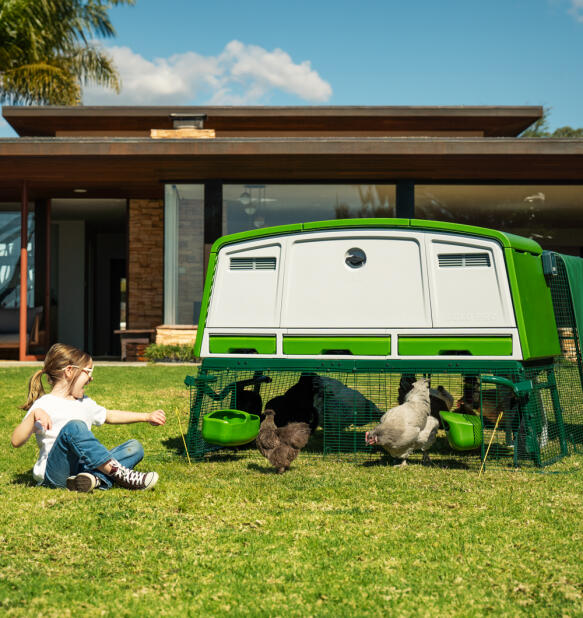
(281, 445)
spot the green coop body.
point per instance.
(336, 318)
(377, 289)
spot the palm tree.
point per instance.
(47, 50)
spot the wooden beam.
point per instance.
(23, 273)
(47, 303)
(182, 133)
(489, 120)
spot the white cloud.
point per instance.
(577, 9)
(241, 74)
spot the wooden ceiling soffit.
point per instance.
(138, 168)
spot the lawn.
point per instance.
(329, 538)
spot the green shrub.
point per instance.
(170, 353)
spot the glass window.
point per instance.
(250, 206)
(10, 256)
(183, 253)
(550, 214)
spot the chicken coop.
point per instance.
(330, 321)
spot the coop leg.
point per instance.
(530, 421)
(194, 438)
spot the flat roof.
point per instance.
(138, 167)
(491, 121)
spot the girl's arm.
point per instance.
(22, 432)
(122, 417)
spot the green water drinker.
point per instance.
(230, 427)
(464, 431)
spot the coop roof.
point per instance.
(508, 241)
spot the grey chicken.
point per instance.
(281, 445)
(407, 427)
(440, 399)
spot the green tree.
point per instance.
(48, 50)
(567, 132)
(541, 128)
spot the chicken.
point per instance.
(296, 405)
(340, 406)
(281, 445)
(491, 402)
(439, 398)
(407, 427)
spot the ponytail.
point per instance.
(59, 356)
(35, 389)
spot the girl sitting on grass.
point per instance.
(70, 455)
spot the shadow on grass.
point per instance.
(176, 445)
(446, 464)
(447, 459)
(262, 469)
(450, 464)
(24, 478)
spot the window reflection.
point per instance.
(10, 256)
(252, 206)
(183, 253)
(550, 214)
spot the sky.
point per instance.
(366, 52)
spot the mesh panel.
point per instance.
(568, 373)
(520, 428)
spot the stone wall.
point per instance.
(145, 263)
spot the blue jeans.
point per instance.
(77, 450)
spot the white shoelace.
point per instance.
(132, 476)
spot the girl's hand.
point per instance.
(157, 417)
(41, 417)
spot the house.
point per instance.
(110, 212)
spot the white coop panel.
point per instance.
(468, 283)
(246, 287)
(329, 284)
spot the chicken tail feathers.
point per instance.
(295, 434)
(405, 385)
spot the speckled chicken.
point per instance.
(281, 445)
(407, 427)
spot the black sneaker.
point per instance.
(132, 479)
(83, 482)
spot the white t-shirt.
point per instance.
(61, 412)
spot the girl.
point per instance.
(70, 455)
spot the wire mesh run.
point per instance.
(529, 414)
(568, 367)
(519, 409)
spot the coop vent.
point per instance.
(253, 263)
(460, 260)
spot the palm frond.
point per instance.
(46, 52)
(40, 83)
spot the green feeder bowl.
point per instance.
(464, 431)
(230, 427)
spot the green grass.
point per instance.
(329, 538)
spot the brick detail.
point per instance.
(145, 263)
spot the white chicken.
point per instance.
(407, 427)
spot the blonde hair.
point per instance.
(59, 357)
